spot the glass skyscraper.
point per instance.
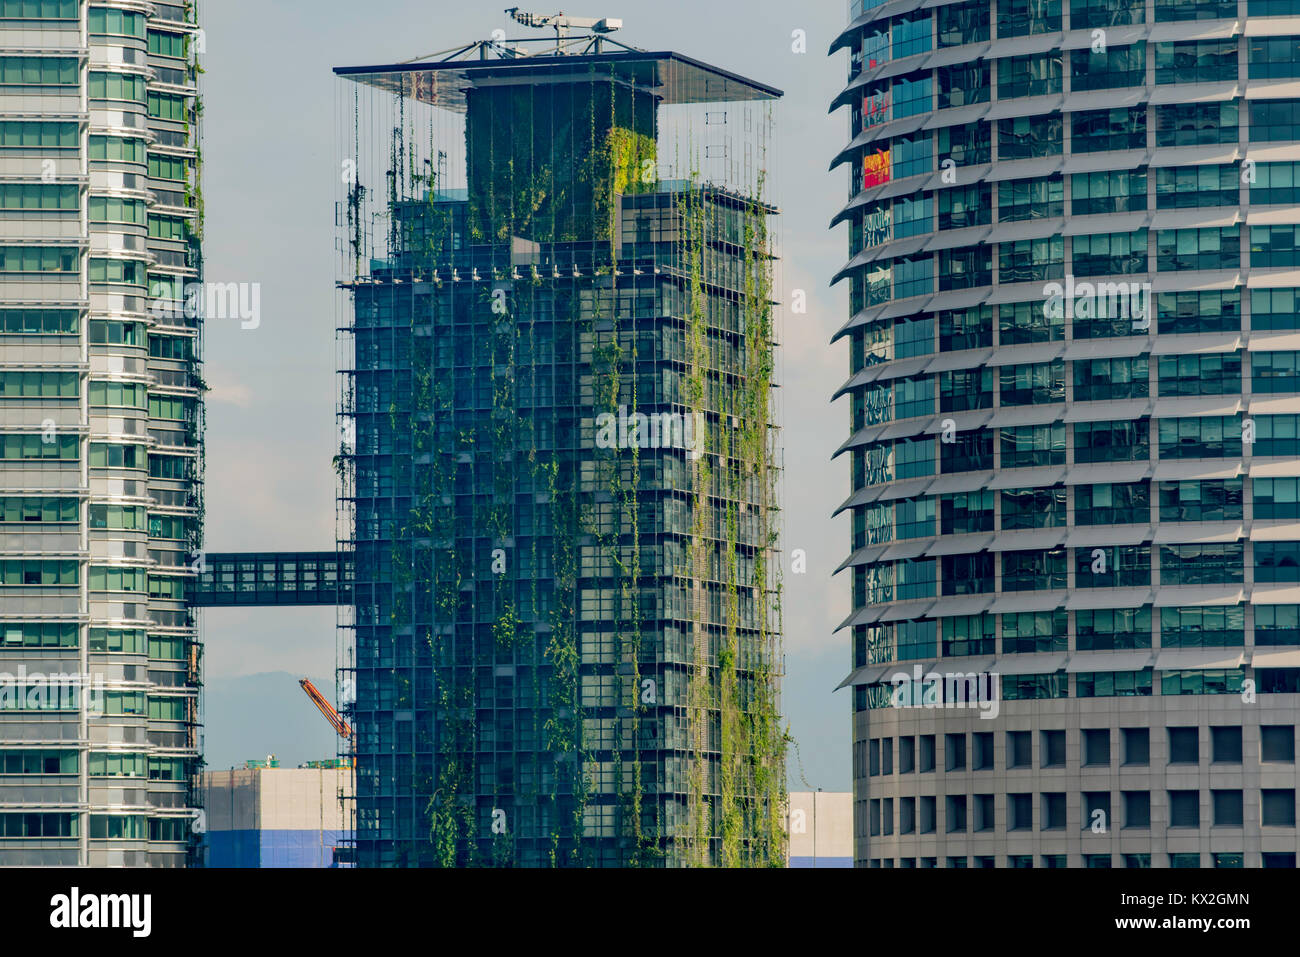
(1075, 431)
(558, 461)
(100, 432)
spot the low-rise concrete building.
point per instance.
(821, 829)
(276, 817)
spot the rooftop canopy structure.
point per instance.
(672, 79)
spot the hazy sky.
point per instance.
(269, 186)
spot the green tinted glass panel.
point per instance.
(117, 86)
(117, 22)
(38, 71)
(39, 9)
(43, 385)
(42, 635)
(19, 447)
(109, 209)
(39, 196)
(35, 573)
(167, 44)
(28, 259)
(39, 134)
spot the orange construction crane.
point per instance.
(327, 709)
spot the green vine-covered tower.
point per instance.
(559, 462)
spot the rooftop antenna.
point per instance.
(562, 25)
(565, 44)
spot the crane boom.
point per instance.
(331, 715)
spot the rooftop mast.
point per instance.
(563, 24)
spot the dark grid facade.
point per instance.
(566, 653)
